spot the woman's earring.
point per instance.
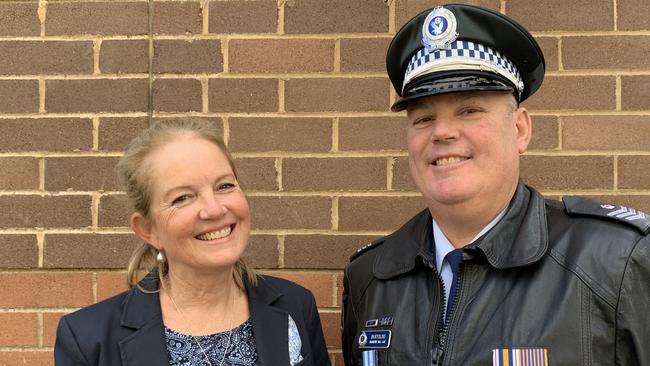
(160, 257)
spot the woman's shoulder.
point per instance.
(283, 286)
(105, 309)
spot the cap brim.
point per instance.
(437, 84)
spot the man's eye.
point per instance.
(180, 199)
(421, 121)
(470, 110)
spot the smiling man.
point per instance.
(490, 272)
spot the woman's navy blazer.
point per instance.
(128, 330)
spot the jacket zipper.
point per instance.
(438, 318)
(446, 323)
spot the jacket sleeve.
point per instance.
(632, 317)
(348, 323)
(316, 338)
(66, 348)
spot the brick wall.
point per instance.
(299, 90)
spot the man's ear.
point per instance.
(143, 229)
(524, 126)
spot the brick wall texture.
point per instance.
(299, 90)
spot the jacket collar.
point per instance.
(146, 345)
(519, 239)
(270, 323)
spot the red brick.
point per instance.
(545, 133)
(19, 19)
(257, 174)
(337, 94)
(280, 134)
(550, 47)
(19, 96)
(638, 202)
(45, 289)
(377, 213)
(364, 54)
(632, 172)
(321, 251)
(605, 52)
(115, 132)
(575, 92)
(319, 283)
(114, 211)
(22, 358)
(339, 174)
(402, 180)
(568, 172)
(406, 9)
(124, 56)
(105, 18)
(259, 16)
(630, 15)
(191, 57)
(335, 16)
(50, 323)
(262, 251)
(177, 17)
(561, 15)
(81, 174)
(280, 55)
(372, 133)
(243, 95)
(88, 250)
(331, 323)
(18, 251)
(605, 133)
(97, 95)
(634, 92)
(18, 173)
(46, 134)
(18, 329)
(46, 57)
(49, 211)
(177, 95)
(110, 284)
(290, 212)
(339, 289)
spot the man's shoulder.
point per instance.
(630, 218)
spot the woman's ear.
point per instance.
(145, 230)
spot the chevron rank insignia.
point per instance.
(584, 206)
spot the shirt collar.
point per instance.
(442, 245)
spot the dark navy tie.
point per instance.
(453, 258)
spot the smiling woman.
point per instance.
(198, 304)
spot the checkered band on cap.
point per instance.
(459, 56)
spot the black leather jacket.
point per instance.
(573, 279)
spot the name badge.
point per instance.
(375, 339)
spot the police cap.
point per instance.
(460, 47)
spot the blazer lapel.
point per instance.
(146, 346)
(270, 325)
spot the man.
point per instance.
(490, 272)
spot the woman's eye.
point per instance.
(180, 199)
(225, 186)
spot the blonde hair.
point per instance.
(137, 184)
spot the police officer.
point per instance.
(490, 272)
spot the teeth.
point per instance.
(450, 160)
(215, 234)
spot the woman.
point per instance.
(199, 304)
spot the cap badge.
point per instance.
(439, 29)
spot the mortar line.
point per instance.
(281, 251)
(335, 134)
(150, 66)
(41, 95)
(95, 122)
(40, 243)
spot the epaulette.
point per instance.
(367, 247)
(584, 206)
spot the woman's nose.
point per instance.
(212, 208)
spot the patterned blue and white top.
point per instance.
(183, 350)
